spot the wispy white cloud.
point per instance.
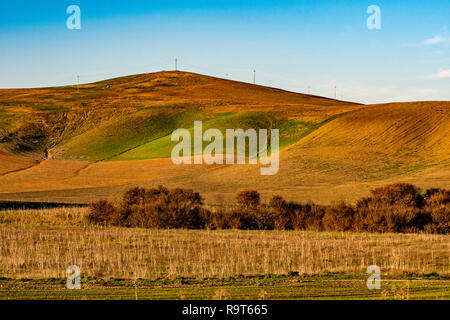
(441, 74)
(435, 40)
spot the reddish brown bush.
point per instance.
(438, 207)
(338, 217)
(309, 217)
(394, 208)
(400, 194)
(102, 213)
(248, 199)
(153, 208)
(283, 213)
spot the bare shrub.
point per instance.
(338, 217)
(282, 213)
(153, 208)
(102, 213)
(309, 217)
(394, 208)
(438, 207)
(248, 199)
(402, 194)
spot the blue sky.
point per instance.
(294, 45)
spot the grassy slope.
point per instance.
(290, 132)
(348, 156)
(11, 162)
(119, 135)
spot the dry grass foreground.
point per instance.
(43, 243)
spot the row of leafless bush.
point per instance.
(395, 208)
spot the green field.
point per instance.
(265, 287)
(290, 132)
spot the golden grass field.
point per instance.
(43, 243)
(351, 150)
(37, 246)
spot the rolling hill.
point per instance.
(73, 144)
(102, 120)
